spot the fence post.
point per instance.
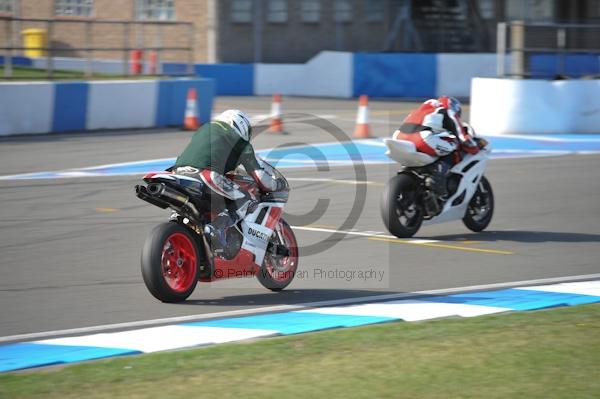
(89, 69)
(192, 42)
(561, 44)
(517, 45)
(49, 49)
(126, 50)
(8, 70)
(501, 49)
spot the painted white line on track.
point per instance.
(280, 308)
(364, 234)
(325, 180)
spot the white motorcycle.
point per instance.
(422, 193)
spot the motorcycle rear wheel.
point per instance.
(278, 271)
(170, 262)
(481, 207)
(401, 213)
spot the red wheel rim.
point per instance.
(178, 262)
(287, 264)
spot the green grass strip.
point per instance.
(545, 354)
(24, 73)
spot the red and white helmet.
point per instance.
(452, 104)
(239, 121)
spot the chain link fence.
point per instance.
(115, 47)
(548, 51)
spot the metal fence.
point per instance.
(132, 44)
(547, 50)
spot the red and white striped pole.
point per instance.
(276, 122)
(362, 130)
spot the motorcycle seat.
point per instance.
(405, 153)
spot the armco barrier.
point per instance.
(517, 106)
(30, 107)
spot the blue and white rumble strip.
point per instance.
(56, 351)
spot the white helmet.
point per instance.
(239, 121)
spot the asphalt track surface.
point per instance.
(70, 247)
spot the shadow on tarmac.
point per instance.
(286, 297)
(522, 236)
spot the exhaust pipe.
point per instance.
(172, 197)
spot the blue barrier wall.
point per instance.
(575, 65)
(44, 107)
(172, 95)
(18, 61)
(70, 106)
(395, 75)
(230, 79)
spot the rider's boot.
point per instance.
(217, 229)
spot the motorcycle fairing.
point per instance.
(259, 226)
(471, 169)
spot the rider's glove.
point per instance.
(470, 147)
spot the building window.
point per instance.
(311, 10)
(342, 10)
(374, 10)
(7, 6)
(155, 10)
(278, 12)
(487, 9)
(75, 8)
(241, 11)
(530, 10)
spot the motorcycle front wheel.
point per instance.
(481, 207)
(170, 262)
(400, 211)
(278, 271)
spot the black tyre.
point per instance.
(481, 207)
(170, 262)
(400, 210)
(278, 271)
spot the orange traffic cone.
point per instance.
(276, 122)
(190, 121)
(362, 131)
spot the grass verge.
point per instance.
(23, 73)
(545, 354)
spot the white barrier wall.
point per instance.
(121, 104)
(328, 74)
(516, 106)
(26, 108)
(79, 64)
(455, 72)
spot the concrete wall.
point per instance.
(515, 106)
(29, 107)
(328, 75)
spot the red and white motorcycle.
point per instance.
(422, 194)
(177, 254)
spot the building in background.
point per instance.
(283, 31)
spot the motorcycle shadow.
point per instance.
(522, 236)
(286, 297)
